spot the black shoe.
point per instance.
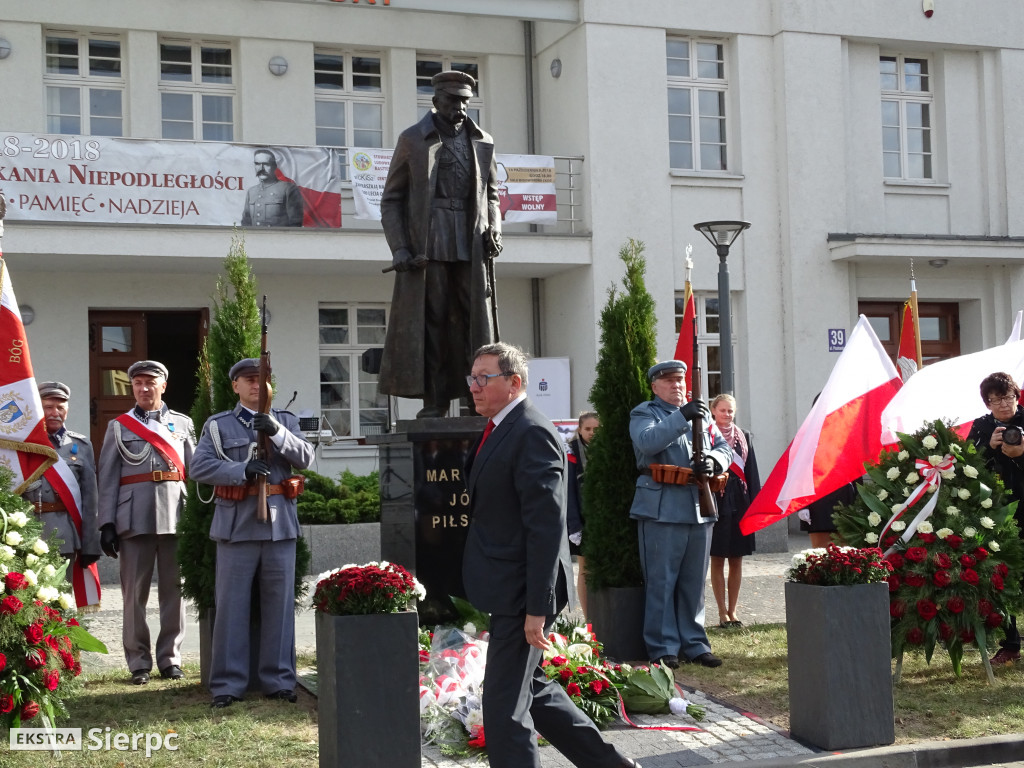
(707, 660)
(672, 662)
(172, 672)
(222, 702)
(140, 677)
(286, 695)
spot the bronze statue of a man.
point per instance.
(442, 221)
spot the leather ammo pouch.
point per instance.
(290, 488)
(293, 486)
(232, 492)
(673, 475)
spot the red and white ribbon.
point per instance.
(931, 475)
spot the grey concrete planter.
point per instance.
(840, 674)
(333, 546)
(617, 615)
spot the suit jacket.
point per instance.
(146, 507)
(661, 435)
(405, 217)
(236, 520)
(516, 558)
(77, 451)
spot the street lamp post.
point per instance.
(723, 234)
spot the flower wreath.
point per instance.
(946, 524)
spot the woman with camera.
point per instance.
(997, 437)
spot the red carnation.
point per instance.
(894, 582)
(967, 635)
(926, 609)
(6, 703)
(15, 581)
(1002, 569)
(559, 661)
(51, 679)
(572, 689)
(917, 554)
(35, 658)
(981, 553)
(927, 538)
(913, 579)
(941, 579)
(943, 560)
(3, 662)
(967, 561)
(897, 608)
(993, 620)
(945, 631)
(53, 642)
(970, 576)
(597, 686)
(953, 542)
(582, 670)
(895, 560)
(955, 604)
(997, 581)
(985, 607)
(889, 541)
(565, 674)
(10, 605)
(29, 710)
(915, 636)
(33, 633)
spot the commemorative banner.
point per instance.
(526, 185)
(113, 180)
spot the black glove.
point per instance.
(84, 561)
(109, 541)
(256, 467)
(695, 408)
(264, 422)
(707, 467)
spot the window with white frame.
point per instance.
(907, 102)
(349, 99)
(428, 65)
(708, 339)
(348, 395)
(197, 90)
(697, 89)
(84, 84)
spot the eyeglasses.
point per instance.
(1006, 400)
(481, 379)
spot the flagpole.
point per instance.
(914, 315)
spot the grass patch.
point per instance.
(930, 702)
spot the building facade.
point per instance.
(854, 138)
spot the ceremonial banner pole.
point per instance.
(916, 316)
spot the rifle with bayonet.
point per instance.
(263, 439)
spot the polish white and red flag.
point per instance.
(86, 581)
(25, 447)
(318, 177)
(840, 434)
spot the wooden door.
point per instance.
(116, 340)
(940, 327)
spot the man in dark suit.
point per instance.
(516, 567)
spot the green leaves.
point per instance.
(648, 693)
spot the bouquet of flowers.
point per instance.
(40, 640)
(651, 691)
(358, 590)
(947, 527)
(574, 662)
(451, 684)
(839, 566)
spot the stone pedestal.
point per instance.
(424, 514)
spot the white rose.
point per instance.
(933, 488)
(31, 559)
(883, 495)
(19, 519)
(896, 508)
(469, 628)
(912, 477)
(40, 547)
(13, 538)
(871, 537)
(903, 455)
(874, 519)
(948, 474)
(994, 546)
(987, 522)
(944, 532)
(30, 577)
(925, 527)
(899, 525)
(66, 601)
(964, 494)
(47, 594)
(970, 471)
(935, 459)
(929, 442)
(952, 511)
(49, 570)
(986, 503)
(893, 473)
(970, 532)
(6, 553)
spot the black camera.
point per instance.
(1012, 435)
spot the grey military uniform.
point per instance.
(249, 551)
(145, 516)
(76, 450)
(278, 204)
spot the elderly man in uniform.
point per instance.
(272, 202)
(145, 454)
(675, 537)
(65, 496)
(250, 550)
(442, 220)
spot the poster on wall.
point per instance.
(526, 185)
(96, 179)
(549, 386)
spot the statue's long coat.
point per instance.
(405, 216)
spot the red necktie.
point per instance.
(487, 432)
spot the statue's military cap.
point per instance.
(147, 368)
(454, 82)
(664, 368)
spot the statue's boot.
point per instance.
(433, 409)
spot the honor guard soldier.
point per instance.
(142, 491)
(251, 550)
(64, 498)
